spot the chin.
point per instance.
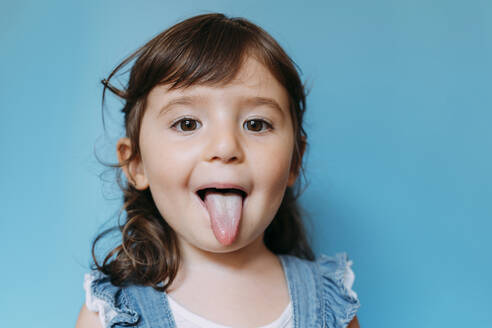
(212, 245)
(216, 247)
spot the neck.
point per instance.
(199, 267)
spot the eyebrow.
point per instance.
(184, 100)
(263, 101)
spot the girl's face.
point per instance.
(237, 135)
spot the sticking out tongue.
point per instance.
(225, 213)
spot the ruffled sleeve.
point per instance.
(108, 300)
(340, 301)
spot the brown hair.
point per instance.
(205, 49)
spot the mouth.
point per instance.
(223, 188)
(202, 192)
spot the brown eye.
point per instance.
(256, 125)
(186, 125)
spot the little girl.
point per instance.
(213, 236)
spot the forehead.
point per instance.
(253, 81)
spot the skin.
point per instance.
(239, 133)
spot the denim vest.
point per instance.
(316, 288)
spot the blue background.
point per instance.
(399, 164)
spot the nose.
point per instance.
(224, 145)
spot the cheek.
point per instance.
(164, 158)
(167, 168)
(273, 168)
(271, 182)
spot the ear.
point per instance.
(134, 171)
(294, 171)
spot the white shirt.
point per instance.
(187, 319)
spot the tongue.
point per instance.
(225, 213)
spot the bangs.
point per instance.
(211, 54)
(211, 51)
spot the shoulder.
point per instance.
(333, 271)
(106, 302)
(337, 279)
(88, 319)
(354, 323)
(337, 270)
(332, 281)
